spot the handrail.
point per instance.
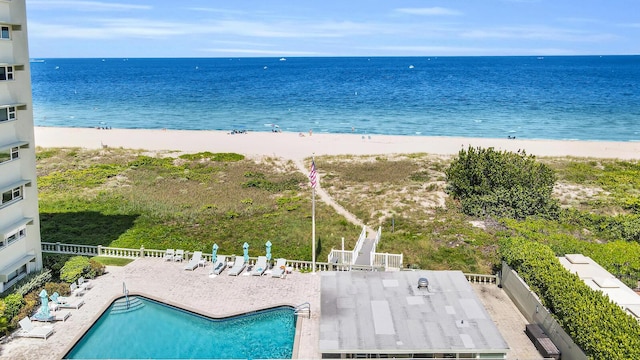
(356, 250)
(126, 294)
(303, 307)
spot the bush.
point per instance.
(96, 269)
(75, 268)
(501, 184)
(31, 302)
(599, 327)
(32, 281)
(54, 262)
(61, 288)
(4, 323)
(13, 304)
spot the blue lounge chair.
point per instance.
(260, 266)
(65, 302)
(219, 265)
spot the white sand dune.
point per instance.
(294, 146)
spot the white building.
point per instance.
(20, 251)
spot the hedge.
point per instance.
(599, 327)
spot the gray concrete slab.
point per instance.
(396, 326)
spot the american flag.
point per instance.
(313, 175)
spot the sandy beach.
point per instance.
(296, 146)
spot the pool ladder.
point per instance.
(126, 294)
(303, 308)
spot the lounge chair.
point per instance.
(280, 268)
(75, 290)
(168, 255)
(238, 266)
(84, 283)
(219, 265)
(28, 330)
(53, 316)
(179, 255)
(195, 261)
(62, 302)
(260, 266)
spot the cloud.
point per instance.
(432, 11)
(116, 28)
(83, 5)
(537, 33)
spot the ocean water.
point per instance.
(555, 97)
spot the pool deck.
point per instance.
(226, 295)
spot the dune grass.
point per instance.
(133, 198)
(129, 198)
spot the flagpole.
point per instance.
(313, 223)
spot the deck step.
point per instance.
(120, 305)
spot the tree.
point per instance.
(501, 184)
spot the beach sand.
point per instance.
(296, 146)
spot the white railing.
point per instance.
(340, 257)
(377, 240)
(359, 243)
(387, 260)
(382, 262)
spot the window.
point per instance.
(14, 194)
(6, 72)
(16, 235)
(4, 32)
(7, 113)
(21, 270)
(9, 154)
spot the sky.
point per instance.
(319, 28)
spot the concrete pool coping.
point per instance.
(180, 307)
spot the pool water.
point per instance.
(158, 331)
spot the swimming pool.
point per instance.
(152, 330)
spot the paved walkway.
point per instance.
(193, 290)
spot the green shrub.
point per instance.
(61, 288)
(4, 322)
(29, 283)
(75, 268)
(501, 184)
(54, 262)
(96, 269)
(31, 302)
(13, 304)
(599, 327)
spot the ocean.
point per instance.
(551, 97)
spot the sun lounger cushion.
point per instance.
(237, 267)
(219, 266)
(195, 261)
(279, 268)
(260, 266)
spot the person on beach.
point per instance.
(310, 132)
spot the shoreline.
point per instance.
(294, 146)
